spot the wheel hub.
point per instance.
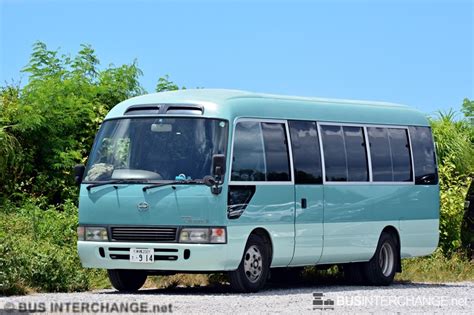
(253, 263)
(386, 259)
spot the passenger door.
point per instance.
(261, 187)
(308, 193)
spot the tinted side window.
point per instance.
(380, 154)
(306, 155)
(356, 154)
(335, 162)
(276, 152)
(424, 156)
(401, 159)
(248, 162)
(390, 155)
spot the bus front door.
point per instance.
(308, 224)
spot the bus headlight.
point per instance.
(92, 233)
(215, 235)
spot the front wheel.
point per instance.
(127, 280)
(381, 269)
(252, 273)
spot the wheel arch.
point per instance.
(263, 233)
(390, 229)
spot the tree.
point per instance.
(164, 84)
(468, 108)
(53, 119)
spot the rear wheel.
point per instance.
(252, 273)
(127, 280)
(381, 269)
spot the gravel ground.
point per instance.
(455, 298)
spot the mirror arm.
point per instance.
(216, 189)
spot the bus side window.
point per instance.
(248, 153)
(276, 152)
(334, 153)
(401, 159)
(356, 154)
(260, 152)
(306, 155)
(380, 154)
(390, 155)
(345, 155)
(424, 156)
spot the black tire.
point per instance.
(381, 269)
(127, 280)
(354, 273)
(252, 273)
(286, 275)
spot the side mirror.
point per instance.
(79, 173)
(218, 165)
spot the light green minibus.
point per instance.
(257, 186)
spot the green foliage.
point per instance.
(453, 189)
(437, 268)
(10, 149)
(38, 249)
(54, 118)
(164, 84)
(454, 142)
(468, 108)
(456, 163)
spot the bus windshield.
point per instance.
(154, 149)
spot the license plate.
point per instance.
(142, 255)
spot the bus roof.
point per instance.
(230, 104)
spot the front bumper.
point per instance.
(168, 256)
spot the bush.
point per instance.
(13, 268)
(38, 250)
(453, 190)
(456, 162)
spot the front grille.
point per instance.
(143, 234)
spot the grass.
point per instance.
(437, 268)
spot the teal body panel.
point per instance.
(204, 257)
(308, 225)
(181, 205)
(355, 215)
(271, 208)
(342, 223)
(231, 104)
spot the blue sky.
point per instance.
(419, 53)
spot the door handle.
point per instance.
(303, 203)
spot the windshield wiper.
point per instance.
(118, 181)
(175, 182)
